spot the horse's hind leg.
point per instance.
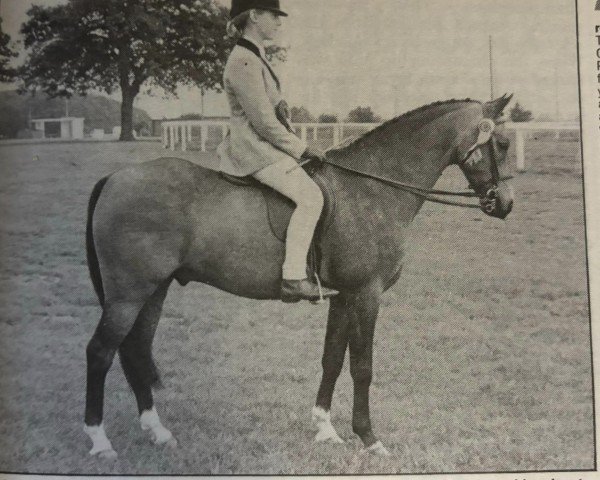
(140, 370)
(336, 342)
(118, 317)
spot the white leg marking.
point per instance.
(378, 449)
(149, 421)
(322, 421)
(101, 444)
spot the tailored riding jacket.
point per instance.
(256, 137)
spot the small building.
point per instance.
(68, 128)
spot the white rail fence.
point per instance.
(180, 133)
(524, 129)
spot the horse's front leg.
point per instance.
(362, 311)
(336, 342)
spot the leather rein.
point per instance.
(430, 195)
(487, 201)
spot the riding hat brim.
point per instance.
(276, 11)
(281, 13)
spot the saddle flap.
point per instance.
(280, 209)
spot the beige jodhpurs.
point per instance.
(307, 196)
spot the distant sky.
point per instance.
(394, 55)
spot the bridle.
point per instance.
(487, 200)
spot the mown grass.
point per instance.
(482, 353)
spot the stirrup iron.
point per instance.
(321, 300)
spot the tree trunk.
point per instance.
(127, 115)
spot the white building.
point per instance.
(69, 128)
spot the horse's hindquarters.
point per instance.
(172, 218)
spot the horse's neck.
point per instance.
(415, 151)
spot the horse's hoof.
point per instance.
(162, 436)
(329, 437)
(171, 443)
(106, 454)
(378, 449)
(322, 420)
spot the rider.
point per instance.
(259, 144)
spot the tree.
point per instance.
(328, 118)
(519, 114)
(276, 54)
(126, 45)
(363, 115)
(301, 115)
(6, 53)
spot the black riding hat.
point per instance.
(241, 6)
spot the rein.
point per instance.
(427, 194)
(486, 202)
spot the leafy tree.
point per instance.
(124, 44)
(328, 118)
(6, 53)
(519, 114)
(276, 53)
(301, 115)
(363, 115)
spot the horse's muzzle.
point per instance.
(498, 201)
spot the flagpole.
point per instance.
(491, 49)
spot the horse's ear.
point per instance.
(494, 108)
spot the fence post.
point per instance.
(336, 135)
(204, 133)
(520, 150)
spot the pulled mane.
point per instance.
(403, 117)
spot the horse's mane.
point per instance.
(405, 116)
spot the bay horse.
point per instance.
(169, 219)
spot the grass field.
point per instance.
(482, 353)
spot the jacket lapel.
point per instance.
(242, 42)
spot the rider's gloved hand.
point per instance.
(282, 111)
(314, 153)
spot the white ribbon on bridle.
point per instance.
(486, 129)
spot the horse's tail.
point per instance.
(92, 256)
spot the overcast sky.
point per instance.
(395, 55)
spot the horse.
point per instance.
(169, 219)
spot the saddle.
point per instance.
(280, 209)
